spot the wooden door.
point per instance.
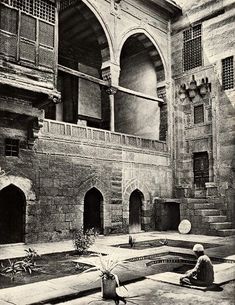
(135, 207)
(93, 210)
(201, 169)
(12, 215)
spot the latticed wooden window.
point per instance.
(192, 50)
(8, 32)
(27, 31)
(227, 73)
(43, 9)
(198, 114)
(12, 147)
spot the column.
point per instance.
(111, 91)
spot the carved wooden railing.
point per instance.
(68, 130)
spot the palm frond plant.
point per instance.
(109, 280)
(31, 255)
(12, 269)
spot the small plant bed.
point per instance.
(35, 268)
(163, 242)
(46, 267)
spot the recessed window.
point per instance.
(12, 147)
(198, 114)
(227, 73)
(192, 50)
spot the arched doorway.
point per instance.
(12, 215)
(93, 210)
(135, 211)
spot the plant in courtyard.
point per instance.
(12, 269)
(31, 255)
(109, 280)
(28, 265)
(82, 240)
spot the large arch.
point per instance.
(150, 36)
(85, 45)
(12, 215)
(141, 69)
(100, 27)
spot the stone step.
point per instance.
(221, 225)
(203, 205)
(226, 232)
(196, 200)
(208, 212)
(219, 218)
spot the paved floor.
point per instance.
(147, 292)
(75, 285)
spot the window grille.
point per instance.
(227, 73)
(192, 50)
(8, 45)
(28, 27)
(8, 19)
(23, 5)
(43, 9)
(46, 57)
(198, 114)
(12, 147)
(46, 34)
(27, 51)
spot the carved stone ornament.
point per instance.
(111, 90)
(194, 89)
(54, 98)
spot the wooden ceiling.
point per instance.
(77, 25)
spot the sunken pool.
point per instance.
(141, 245)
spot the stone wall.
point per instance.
(217, 19)
(62, 171)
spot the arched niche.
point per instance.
(12, 215)
(93, 211)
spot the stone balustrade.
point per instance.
(73, 131)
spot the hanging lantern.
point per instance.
(192, 90)
(183, 92)
(203, 88)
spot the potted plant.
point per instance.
(109, 280)
(83, 239)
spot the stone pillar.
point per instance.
(111, 92)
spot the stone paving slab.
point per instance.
(172, 278)
(73, 285)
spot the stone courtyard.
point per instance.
(118, 116)
(144, 287)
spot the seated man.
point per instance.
(202, 274)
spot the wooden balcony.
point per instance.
(58, 129)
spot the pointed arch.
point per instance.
(93, 183)
(12, 214)
(146, 38)
(93, 210)
(96, 20)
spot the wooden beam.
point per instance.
(139, 94)
(107, 84)
(83, 75)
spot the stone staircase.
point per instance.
(209, 215)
